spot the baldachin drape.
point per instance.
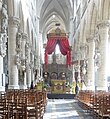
(63, 45)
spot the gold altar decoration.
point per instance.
(58, 86)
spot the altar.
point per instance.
(58, 86)
(57, 73)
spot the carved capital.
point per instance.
(14, 21)
(104, 24)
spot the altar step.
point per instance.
(60, 96)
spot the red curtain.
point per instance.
(63, 45)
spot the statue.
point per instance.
(4, 20)
(54, 58)
(97, 58)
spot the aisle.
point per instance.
(64, 109)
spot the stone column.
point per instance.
(28, 68)
(28, 74)
(90, 68)
(73, 72)
(38, 49)
(32, 65)
(83, 49)
(3, 41)
(39, 58)
(2, 88)
(103, 27)
(12, 59)
(23, 65)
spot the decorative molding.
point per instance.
(14, 21)
(104, 24)
(3, 41)
(4, 19)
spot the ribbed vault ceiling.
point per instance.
(55, 11)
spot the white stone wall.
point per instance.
(95, 12)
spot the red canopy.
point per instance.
(63, 45)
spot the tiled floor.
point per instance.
(64, 109)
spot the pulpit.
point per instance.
(58, 86)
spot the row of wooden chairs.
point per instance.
(22, 104)
(96, 103)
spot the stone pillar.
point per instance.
(3, 41)
(25, 85)
(23, 65)
(28, 68)
(39, 58)
(83, 49)
(32, 65)
(28, 74)
(2, 88)
(103, 27)
(13, 71)
(38, 50)
(90, 68)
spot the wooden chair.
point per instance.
(104, 107)
(19, 111)
(32, 108)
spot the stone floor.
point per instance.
(64, 109)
